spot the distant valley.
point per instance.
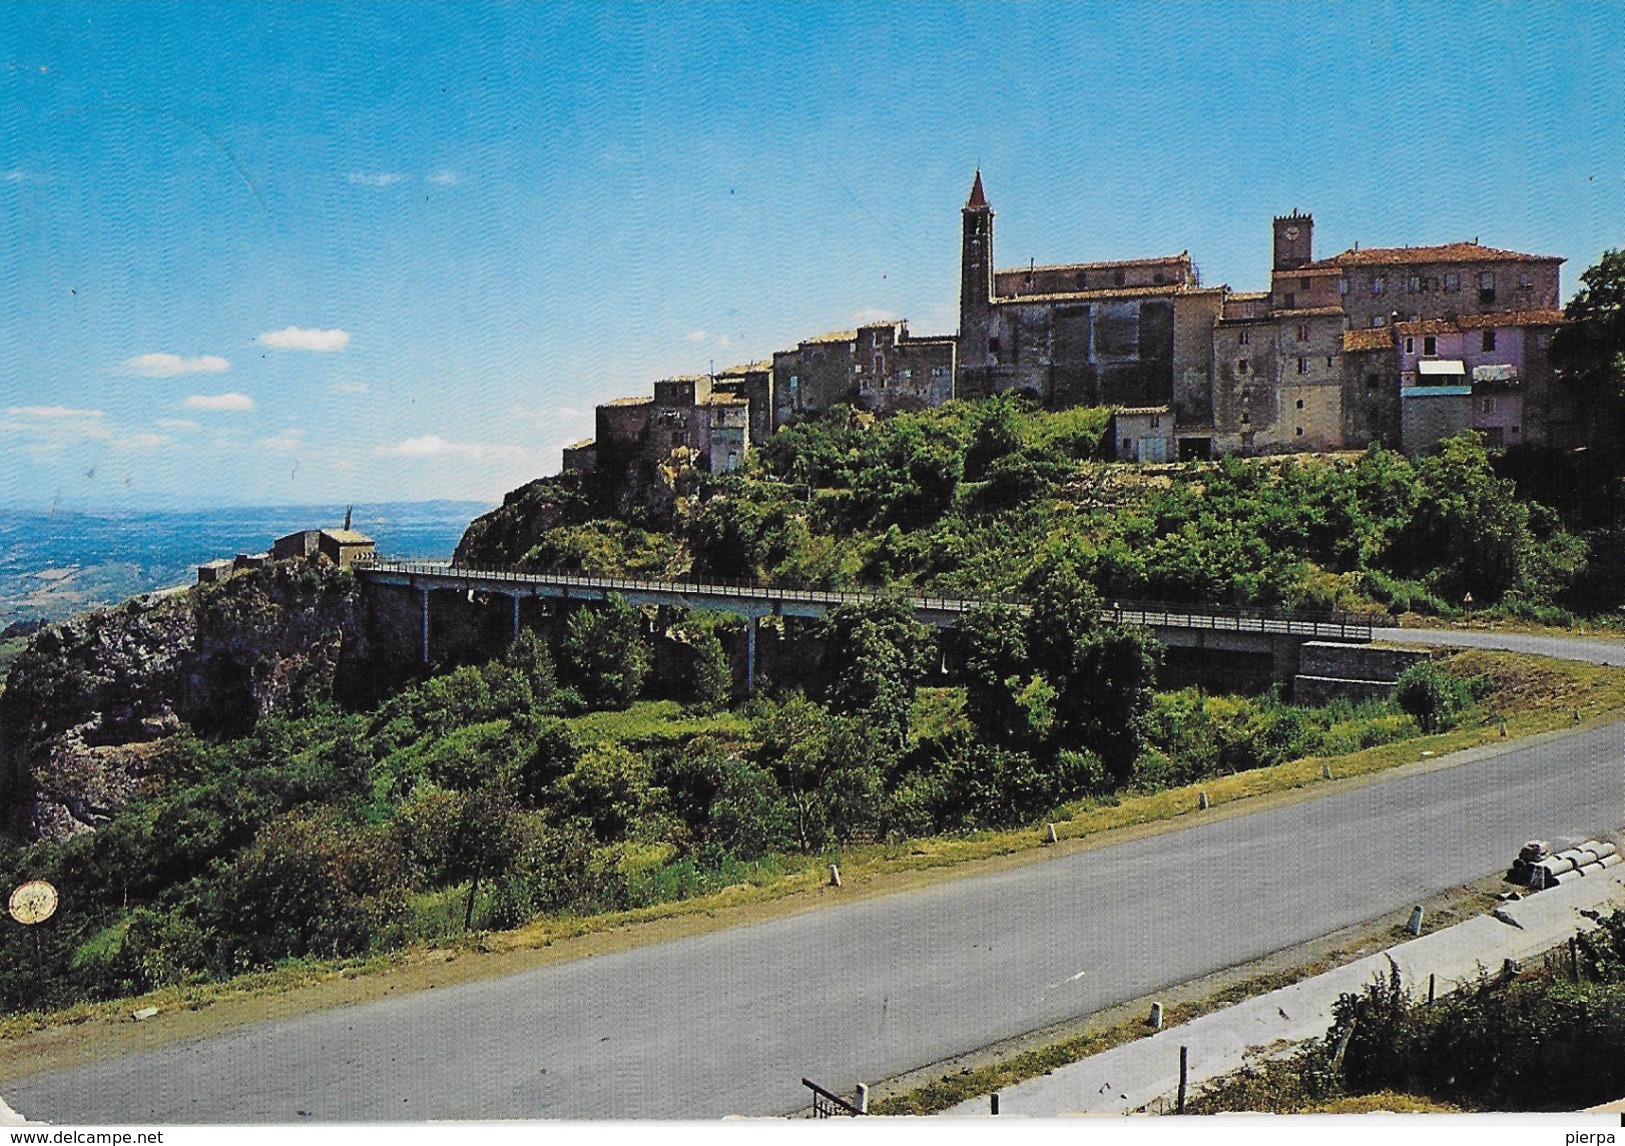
(55, 564)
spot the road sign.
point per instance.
(33, 902)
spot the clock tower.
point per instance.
(1293, 246)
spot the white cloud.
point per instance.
(178, 424)
(724, 340)
(169, 365)
(697, 336)
(51, 412)
(434, 446)
(22, 175)
(443, 179)
(230, 401)
(874, 314)
(142, 440)
(288, 441)
(302, 338)
(375, 178)
(349, 387)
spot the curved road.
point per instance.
(730, 1022)
(1594, 651)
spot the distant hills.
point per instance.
(55, 564)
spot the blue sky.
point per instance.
(294, 253)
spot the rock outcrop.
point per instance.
(89, 705)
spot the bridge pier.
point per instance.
(423, 592)
(515, 599)
(750, 656)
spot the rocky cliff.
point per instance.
(89, 705)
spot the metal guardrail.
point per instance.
(1147, 614)
(827, 1104)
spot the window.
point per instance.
(1246, 417)
(1156, 421)
(993, 345)
(1452, 281)
(1119, 277)
(1244, 338)
(1300, 403)
(1159, 278)
(1328, 360)
(1489, 340)
(904, 375)
(1082, 280)
(1128, 445)
(1413, 284)
(1377, 285)
(1291, 300)
(1486, 280)
(857, 368)
(1242, 366)
(1376, 320)
(1542, 339)
(1372, 381)
(1487, 405)
(1303, 366)
(1430, 344)
(1303, 332)
(1410, 346)
(1343, 286)
(1300, 428)
(1525, 280)
(1307, 284)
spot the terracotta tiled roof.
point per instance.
(1248, 295)
(1443, 253)
(1183, 258)
(1367, 338)
(1104, 293)
(629, 402)
(1500, 320)
(833, 336)
(1310, 312)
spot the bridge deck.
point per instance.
(761, 601)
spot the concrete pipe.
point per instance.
(1566, 878)
(1612, 860)
(1556, 865)
(1605, 849)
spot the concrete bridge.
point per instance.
(1279, 634)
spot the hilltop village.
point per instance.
(1400, 346)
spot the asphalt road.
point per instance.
(730, 1022)
(1597, 652)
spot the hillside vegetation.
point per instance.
(1550, 1038)
(971, 497)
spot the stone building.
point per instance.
(343, 547)
(879, 367)
(1324, 358)
(1134, 333)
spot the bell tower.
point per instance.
(1294, 246)
(975, 287)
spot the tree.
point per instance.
(705, 666)
(1590, 350)
(1103, 674)
(877, 652)
(604, 655)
